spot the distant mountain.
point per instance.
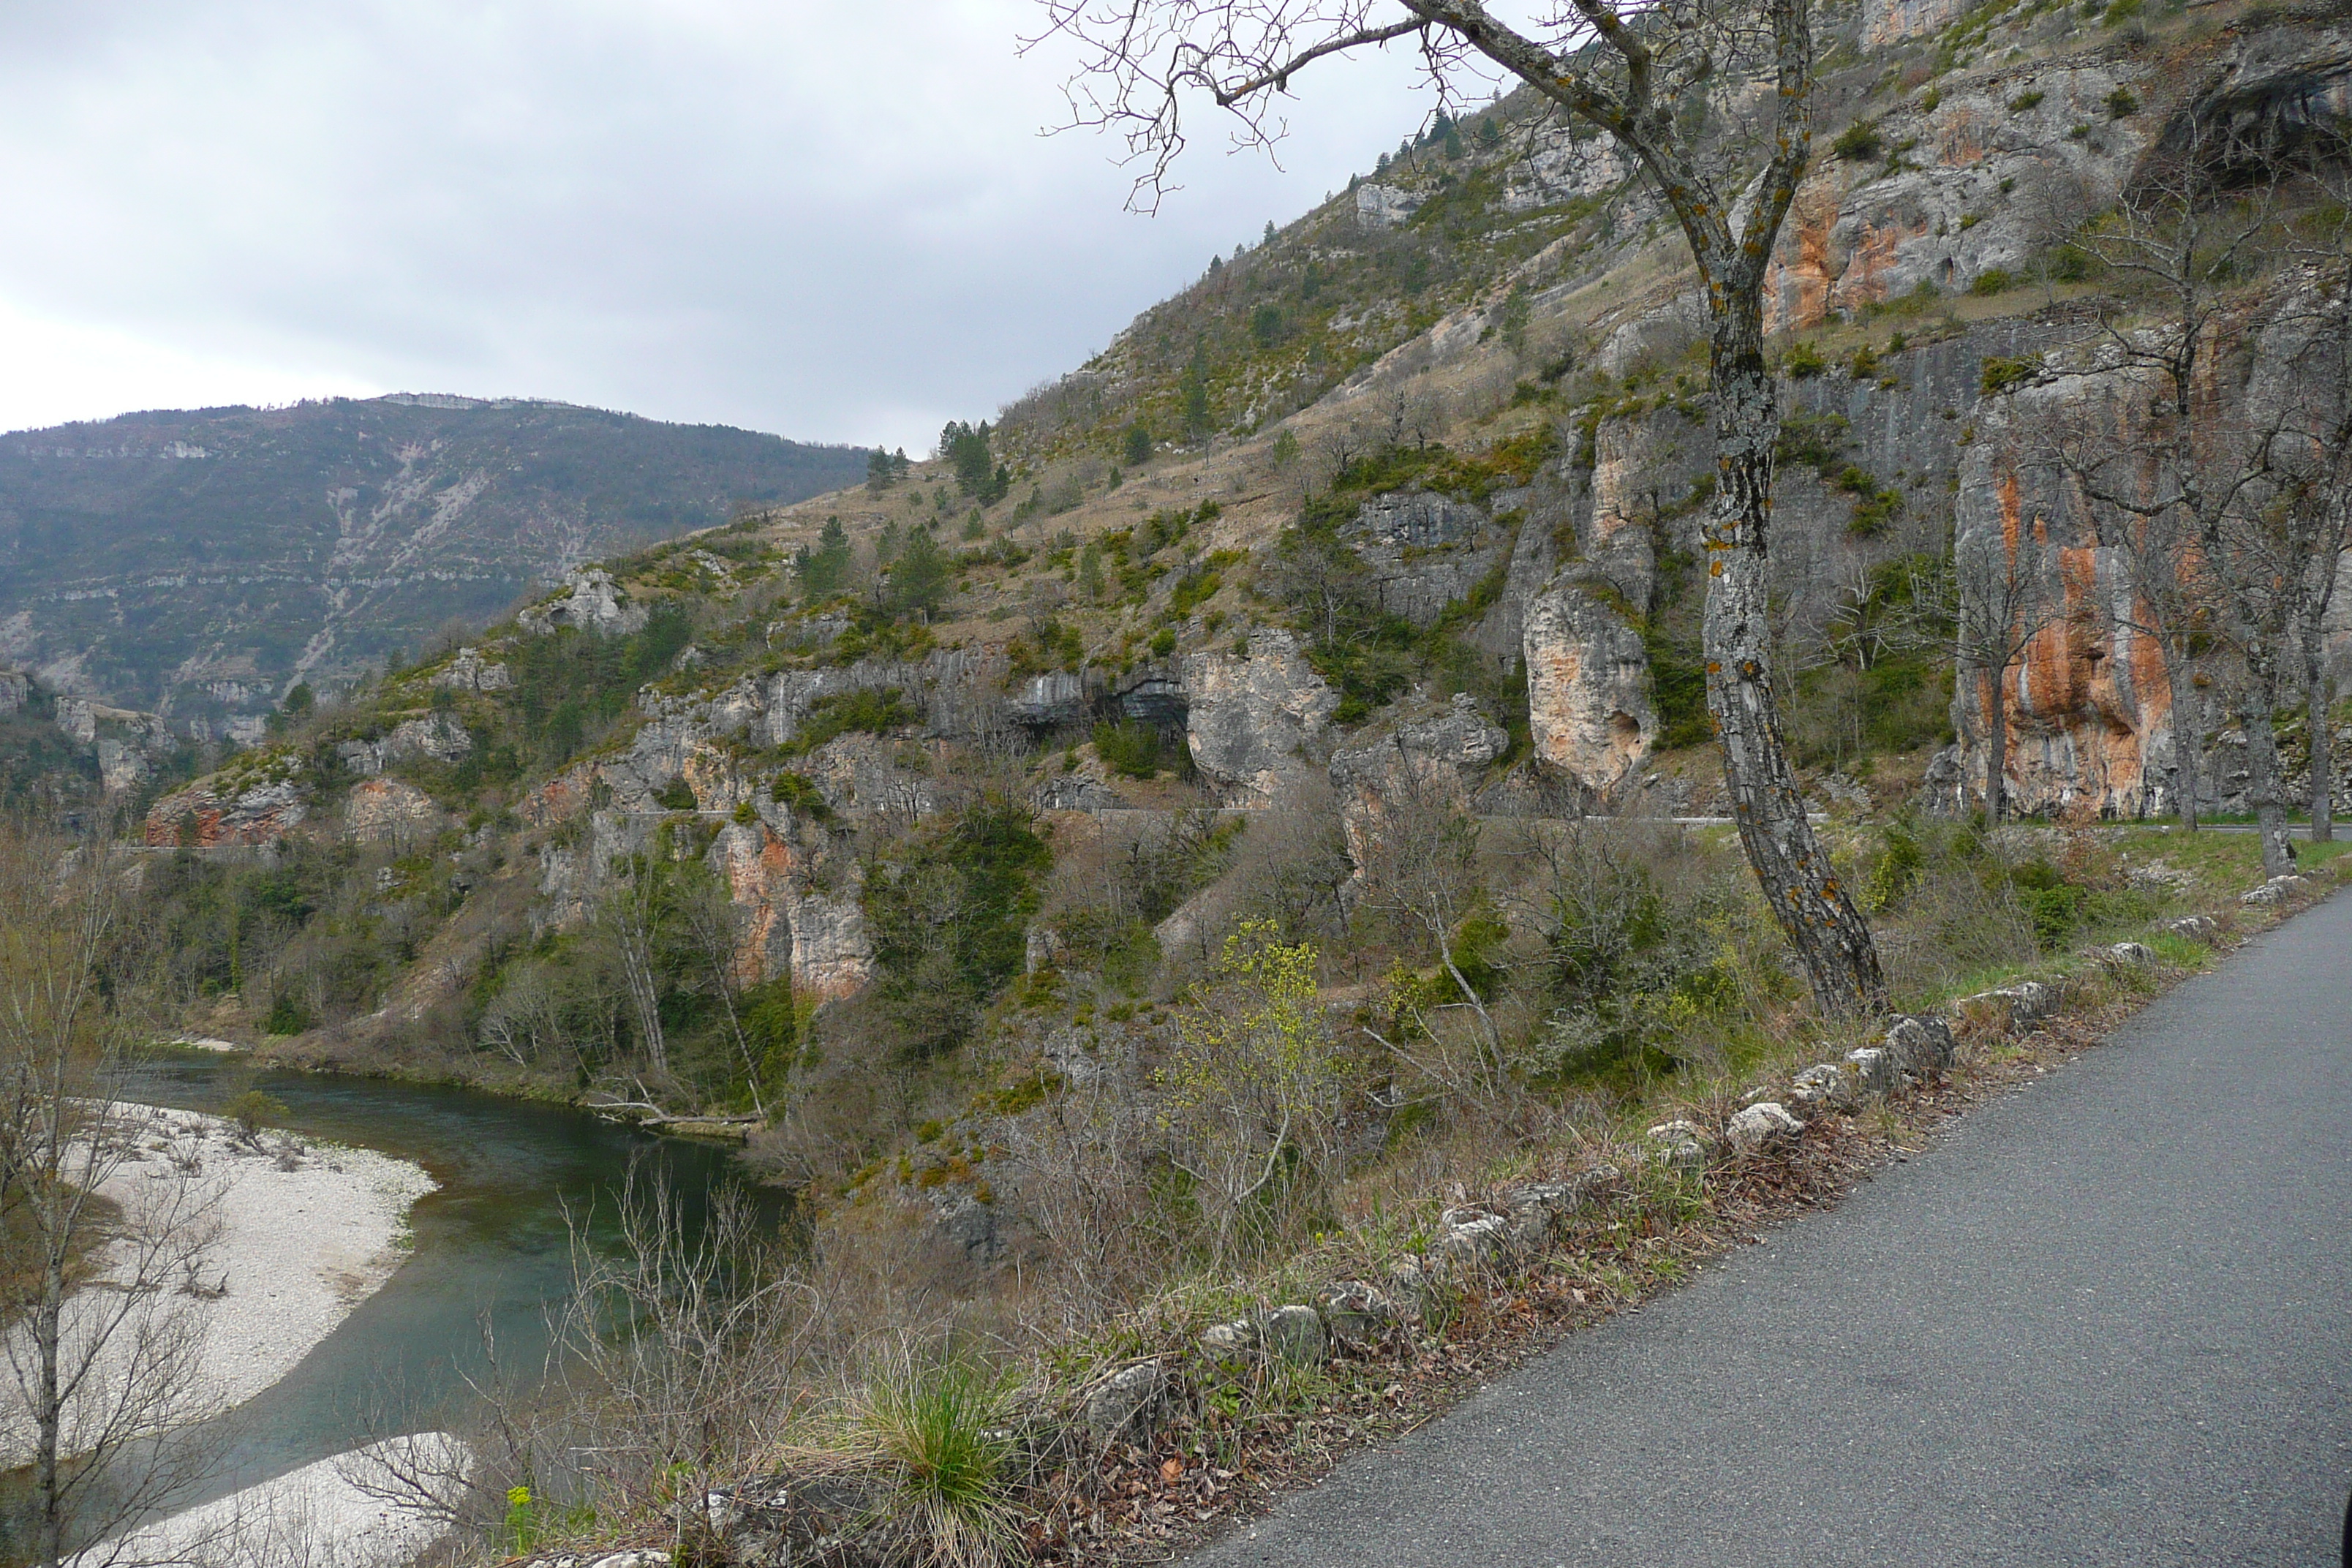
(195, 563)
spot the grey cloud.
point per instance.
(834, 223)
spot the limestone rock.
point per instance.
(438, 738)
(1826, 1088)
(261, 810)
(121, 766)
(1429, 763)
(1050, 701)
(1425, 551)
(1385, 207)
(16, 690)
(1761, 1127)
(385, 811)
(1359, 1314)
(1467, 1236)
(1685, 1146)
(2194, 928)
(1127, 1402)
(1873, 1072)
(1921, 1044)
(468, 671)
(2269, 896)
(1231, 1345)
(1293, 1334)
(1588, 690)
(590, 602)
(1541, 1211)
(2132, 955)
(1253, 715)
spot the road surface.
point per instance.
(2106, 1320)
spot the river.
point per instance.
(492, 1240)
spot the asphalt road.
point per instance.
(2106, 1320)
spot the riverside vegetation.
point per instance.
(1204, 886)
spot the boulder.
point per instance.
(1873, 1071)
(1921, 1044)
(1685, 1146)
(2269, 896)
(1472, 1237)
(1358, 1314)
(1410, 1285)
(1540, 1212)
(1293, 1334)
(1127, 1402)
(1231, 1346)
(2194, 928)
(2013, 1009)
(1823, 1088)
(1762, 1127)
(2131, 956)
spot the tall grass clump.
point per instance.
(938, 1430)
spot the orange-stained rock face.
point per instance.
(200, 818)
(786, 923)
(1589, 710)
(2088, 706)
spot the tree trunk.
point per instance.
(1794, 873)
(2186, 730)
(2316, 721)
(2262, 765)
(1997, 747)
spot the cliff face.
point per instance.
(2090, 713)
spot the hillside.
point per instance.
(1242, 827)
(195, 565)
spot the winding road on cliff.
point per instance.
(2107, 1320)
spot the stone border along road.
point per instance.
(2105, 1321)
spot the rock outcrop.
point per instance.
(1255, 720)
(385, 811)
(590, 602)
(229, 810)
(1430, 763)
(1589, 709)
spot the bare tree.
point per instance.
(101, 1274)
(2226, 500)
(1657, 80)
(631, 913)
(2003, 599)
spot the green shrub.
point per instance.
(2122, 103)
(1802, 362)
(254, 1110)
(867, 710)
(286, 1016)
(2024, 101)
(676, 795)
(1128, 748)
(799, 792)
(2054, 905)
(1991, 281)
(2000, 375)
(1858, 142)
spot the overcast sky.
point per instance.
(835, 222)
